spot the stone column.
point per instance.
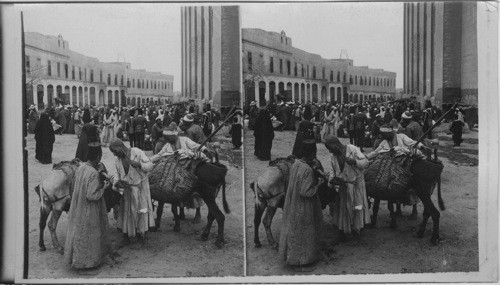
(45, 96)
(35, 95)
(257, 91)
(267, 92)
(71, 96)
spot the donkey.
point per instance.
(55, 192)
(270, 190)
(211, 177)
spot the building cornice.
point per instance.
(266, 47)
(46, 51)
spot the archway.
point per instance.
(86, 95)
(92, 96)
(355, 98)
(58, 92)
(109, 99)
(123, 99)
(66, 95)
(50, 95)
(73, 95)
(296, 90)
(117, 98)
(80, 97)
(39, 96)
(308, 92)
(289, 92)
(281, 87)
(262, 93)
(132, 102)
(302, 93)
(323, 94)
(315, 93)
(272, 91)
(345, 94)
(332, 94)
(339, 95)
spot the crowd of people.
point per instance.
(167, 129)
(381, 126)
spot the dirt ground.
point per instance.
(380, 250)
(166, 253)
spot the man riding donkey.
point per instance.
(401, 144)
(186, 148)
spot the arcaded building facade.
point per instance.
(54, 71)
(440, 52)
(273, 66)
(210, 55)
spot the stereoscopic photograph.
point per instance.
(339, 142)
(133, 140)
(361, 137)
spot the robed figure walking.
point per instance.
(264, 135)
(44, 137)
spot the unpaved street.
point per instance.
(382, 250)
(166, 253)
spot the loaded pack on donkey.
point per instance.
(183, 168)
(401, 173)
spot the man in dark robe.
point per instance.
(44, 137)
(90, 134)
(299, 243)
(264, 135)
(304, 132)
(86, 240)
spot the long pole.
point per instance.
(229, 116)
(435, 125)
(25, 152)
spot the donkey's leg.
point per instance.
(220, 218)
(390, 205)
(376, 205)
(159, 213)
(268, 219)
(177, 225)
(259, 210)
(44, 214)
(197, 216)
(206, 231)
(414, 213)
(425, 218)
(182, 215)
(56, 214)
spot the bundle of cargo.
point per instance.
(170, 181)
(388, 177)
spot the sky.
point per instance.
(372, 33)
(148, 35)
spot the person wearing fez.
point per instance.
(299, 243)
(350, 213)
(86, 240)
(136, 211)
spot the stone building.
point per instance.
(273, 66)
(210, 55)
(54, 71)
(440, 52)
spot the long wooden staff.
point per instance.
(435, 125)
(218, 128)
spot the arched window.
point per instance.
(356, 79)
(133, 83)
(109, 79)
(331, 76)
(361, 80)
(116, 79)
(345, 77)
(100, 75)
(338, 76)
(121, 80)
(350, 80)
